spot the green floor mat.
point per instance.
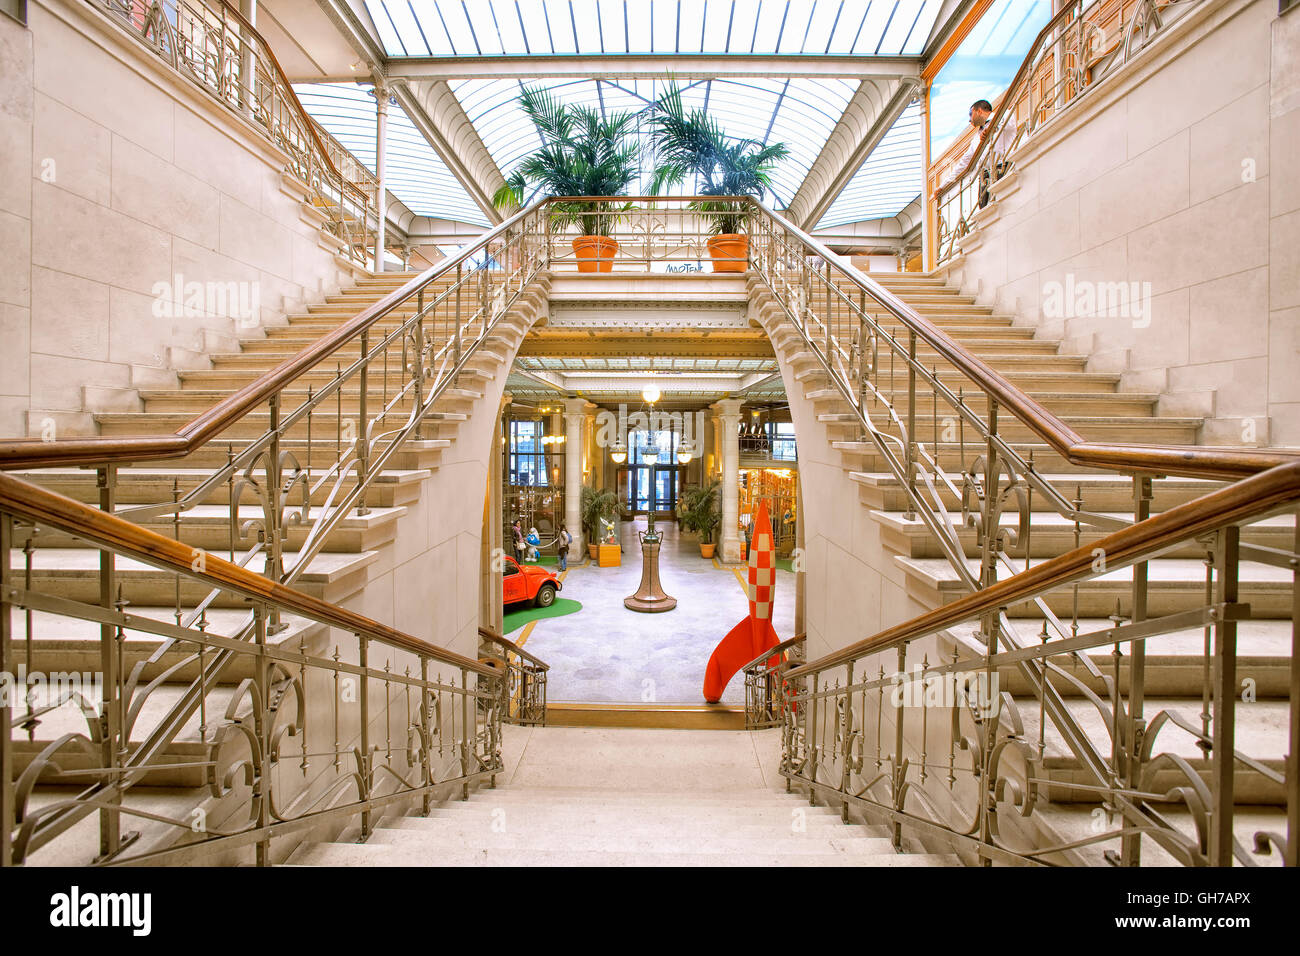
(516, 619)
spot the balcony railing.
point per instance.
(1081, 45)
(210, 43)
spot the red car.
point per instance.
(529, 582)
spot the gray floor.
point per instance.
(606, 653)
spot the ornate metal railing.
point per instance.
(764, 676)
(1082, 44)
(210, 43)
(933, 743)
(298, 448)
(342, 718)
(525, 679)
(959, 472)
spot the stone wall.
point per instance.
(1179, 177)
(117, 176)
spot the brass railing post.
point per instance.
(898, 750)
(1131, 842)
(426, 772)
(366, 769)
(110, 824)
(467, 723)
(910, 514)
(1292, 857)
(262, 716)
(1222, 754)
(6, 718)
(812, 707)
(846, 771)
(417, 365)
(363, 427)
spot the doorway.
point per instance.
(646, 488)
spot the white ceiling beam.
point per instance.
(434, 110)
(873, 110)
(651, 66)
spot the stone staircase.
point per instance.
(626, 797)
(61, 564)
(1093, 404)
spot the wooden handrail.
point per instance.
(1238, 502)
(779, 649)
(1185, 461)
(502, 641)
(114, 534)
(31, 453)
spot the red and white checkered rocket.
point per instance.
(754, 634)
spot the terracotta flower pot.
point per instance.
(730, 252)
(595, 253)
(593, 550)
(706, 550)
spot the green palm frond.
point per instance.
(584, 154)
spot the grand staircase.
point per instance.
(62, 564)
(626, 797)
(1093, 404)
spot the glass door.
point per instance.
(665, 488)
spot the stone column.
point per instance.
(575, 413)
(493, 545)
(729, 424)
(381, 171)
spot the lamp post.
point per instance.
(650, 597)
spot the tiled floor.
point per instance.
(606, 653)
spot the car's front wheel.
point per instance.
(545, 596)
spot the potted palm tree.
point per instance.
(596, 504)
(692, 144)
(699, 514)
(584, 154)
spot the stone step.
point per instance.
(382, 854)
(235, 378)
(424, 454)
(73, 573)
(1175, 662)
(208, 527)
(1161, 430)
(1028, 381)
(1261, 730)
(1063, 404)
(1174, 584)
(69, 644)
(138, 486)
(1098, 492)
(195, 400)
(1052, 534)
(324, 423)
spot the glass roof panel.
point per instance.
(590, 27)
(416, 174)
(887, 181)
(798, 112)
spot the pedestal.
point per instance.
(650, 597)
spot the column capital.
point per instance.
(576, 407)
(728, 407)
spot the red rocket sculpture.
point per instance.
(754, 634)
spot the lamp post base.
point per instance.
(650, 597)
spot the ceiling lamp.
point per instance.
(684, 453)
(651, 394)
(618, 454)
(650, 453)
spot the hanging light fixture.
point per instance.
(651, 394)
(618, 454)
(685, 451)
(650, 453)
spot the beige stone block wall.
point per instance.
(116, 177)
(1180, 171)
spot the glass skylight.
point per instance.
(798, 112)
(416, 174)
(591, 27)
(888, 180)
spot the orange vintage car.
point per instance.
(531, 583)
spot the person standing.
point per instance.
(562, 547)
(981, 111)
(518, 541)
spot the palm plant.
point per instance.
(693, 144)
(699, 511)
(596, 504)
(584, 155)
